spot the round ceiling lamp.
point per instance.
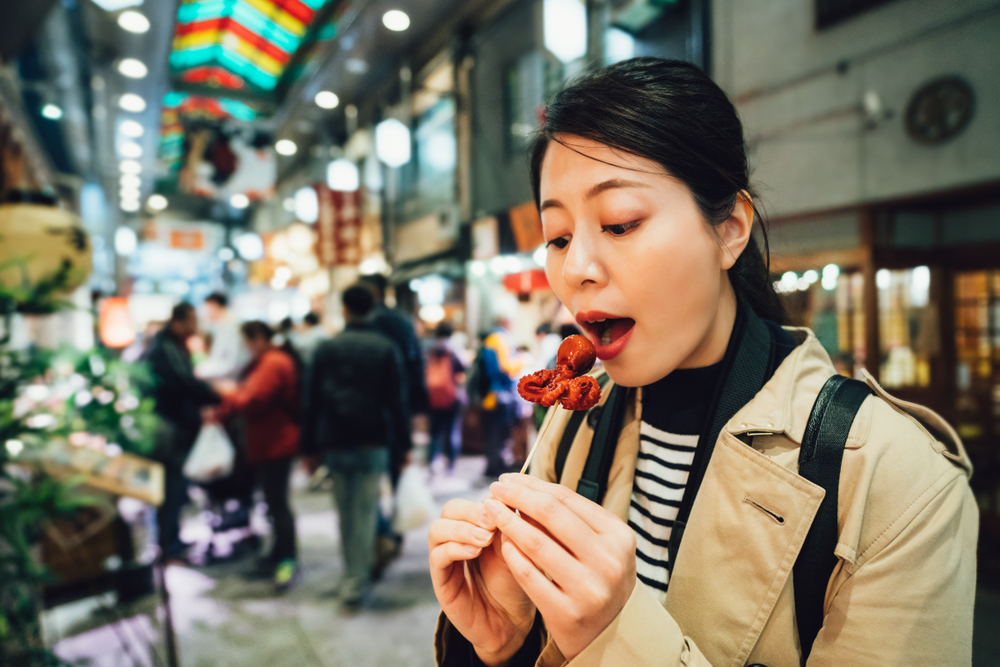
(392, 142)
(52, 112)
(306, 205)
(286, 147)
(130, 150)
(157, 203)
(342, 175)
(130, 167)
(131, 128)
(132, 68)
(327, 100)
(132, 102)
(133, 22)
(239, 200)
(396, 20)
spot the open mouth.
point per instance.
(605, 329)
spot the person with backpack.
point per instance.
(268, 400)
(354, 410)
(444, 374)
(731, 501)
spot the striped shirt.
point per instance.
(661, 474)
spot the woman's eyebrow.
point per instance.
(596, 190)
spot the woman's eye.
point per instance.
(560, 242)
(619, 230)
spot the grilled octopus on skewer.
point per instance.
(567, 383)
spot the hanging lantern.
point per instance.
(44, 250)
(115, 324)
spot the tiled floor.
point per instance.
(224, 618)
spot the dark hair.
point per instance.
(286, 324)
(358, 299)
(567, 330)
(255, 330)
(378, 283)
(670, 112)
(311, 318)
(218, 298)
(444, 330)
(181, 312)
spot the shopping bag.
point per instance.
(211, 457)
(414, 502)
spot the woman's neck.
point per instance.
(713, 346)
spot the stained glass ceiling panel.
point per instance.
(252, 40)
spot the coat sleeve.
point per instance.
(260, 388)
(174, 372)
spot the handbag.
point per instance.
(212, 456)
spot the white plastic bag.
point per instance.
(414, 502)
(211, 457)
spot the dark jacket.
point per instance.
(354, 394)
(268, 399)
(400, 331)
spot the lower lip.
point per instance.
(614, 348)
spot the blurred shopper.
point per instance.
(353, 409)
(492, 389)
(445, 374)
(268, 400)
(711, 527)
(180, 397)
(226, 354)
(308, 339)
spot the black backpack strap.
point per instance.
(594, 480)
(820, 458)
(569, 434)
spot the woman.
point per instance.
(641, 177)
(268, 400)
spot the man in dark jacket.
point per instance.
(353, 407)
(180, 397)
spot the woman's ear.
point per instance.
(734, 232)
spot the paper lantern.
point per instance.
(115, 323)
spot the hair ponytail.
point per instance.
(670, 112)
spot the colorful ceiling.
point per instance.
(180, 107)
(247, 45)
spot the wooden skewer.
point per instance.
(534, 447)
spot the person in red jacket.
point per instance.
(268, 400)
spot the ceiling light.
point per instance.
(132, 102)
(133, 22)
(356, 66)
(250, 246)
(130, 205)
(130, 181)
(115, 5)
(306, 205)
(564, 24)
(239, 200)
(129, 194)
(286, 147)
(130, 149)
(342, 175)
(52, 112)
(392, 142)
(157, 203)
(125, 241)
(130, 167)
(132, 68)
(131, 128)
(327, 100)
(396, 20)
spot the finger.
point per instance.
(591, 513)
(548, 511)
(447, 554)
(451, 530)
(544, 551)
(465, 510)
(544, 592)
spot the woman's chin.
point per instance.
(632, 370)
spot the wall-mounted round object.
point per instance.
(939, 111)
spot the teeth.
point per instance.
(599, 321)
(606, 337)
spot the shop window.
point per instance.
(908, 327)
(977, 342)
(829, 302)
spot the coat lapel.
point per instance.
(747, 526)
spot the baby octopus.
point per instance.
(568, 383)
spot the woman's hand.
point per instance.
(574, 559)
(475, 587)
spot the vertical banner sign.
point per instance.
(338, 227)
(326, 245)
(348, 227)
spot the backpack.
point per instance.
(440, 378)
(477, 385)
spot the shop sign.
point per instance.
(485, 238)
(186, 239)
(338, 227)
(527, 226)
(526, 281)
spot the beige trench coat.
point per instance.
(902, 591)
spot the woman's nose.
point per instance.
(583, 264)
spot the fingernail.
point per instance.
(481, 534)
(493, 508)
(508, 477)
(499, 488)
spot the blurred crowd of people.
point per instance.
(345, 405)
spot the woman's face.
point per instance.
(256, 346)
(628, 245)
